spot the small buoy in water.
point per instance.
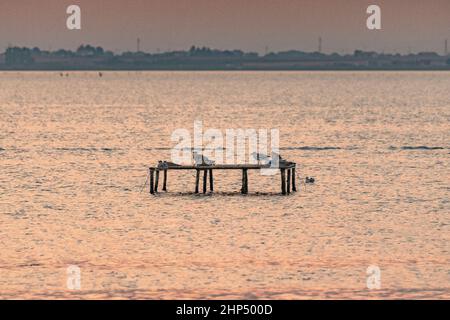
(310, 180)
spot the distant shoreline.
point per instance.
(222, 70)
(90, 58)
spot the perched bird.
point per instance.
(276, 156)
(208, 161)
(200, 159)
(261, 157)
(310, 180)
(277, 160)
(162, 165)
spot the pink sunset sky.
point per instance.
(251, 25)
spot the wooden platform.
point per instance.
(287, 173)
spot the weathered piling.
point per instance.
(152, 190)
(165, 181)
(156, 180)
(244, 189)
(283, 181)
(294, 187)
(211, 180)
(197, 180)
(288, 184)
(205, 180)
(246, 180)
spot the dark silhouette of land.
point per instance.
(88, 57)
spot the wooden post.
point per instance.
(152, 171)
(246, 181)
(288, 184)
(211, 180)
(243, 182)
(156, 180)
(205, 180)
(283, 181)
(244, 189)
(197, 180)
(294, 187)
(165, 181)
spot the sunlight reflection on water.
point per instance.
(74, 154)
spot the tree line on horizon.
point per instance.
(27, 56)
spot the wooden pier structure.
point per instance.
(287, 174)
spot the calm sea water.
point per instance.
(74, 153)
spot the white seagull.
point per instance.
(200, 159)
(261, 157)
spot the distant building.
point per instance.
(2, 58)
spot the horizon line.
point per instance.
(212, 49)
